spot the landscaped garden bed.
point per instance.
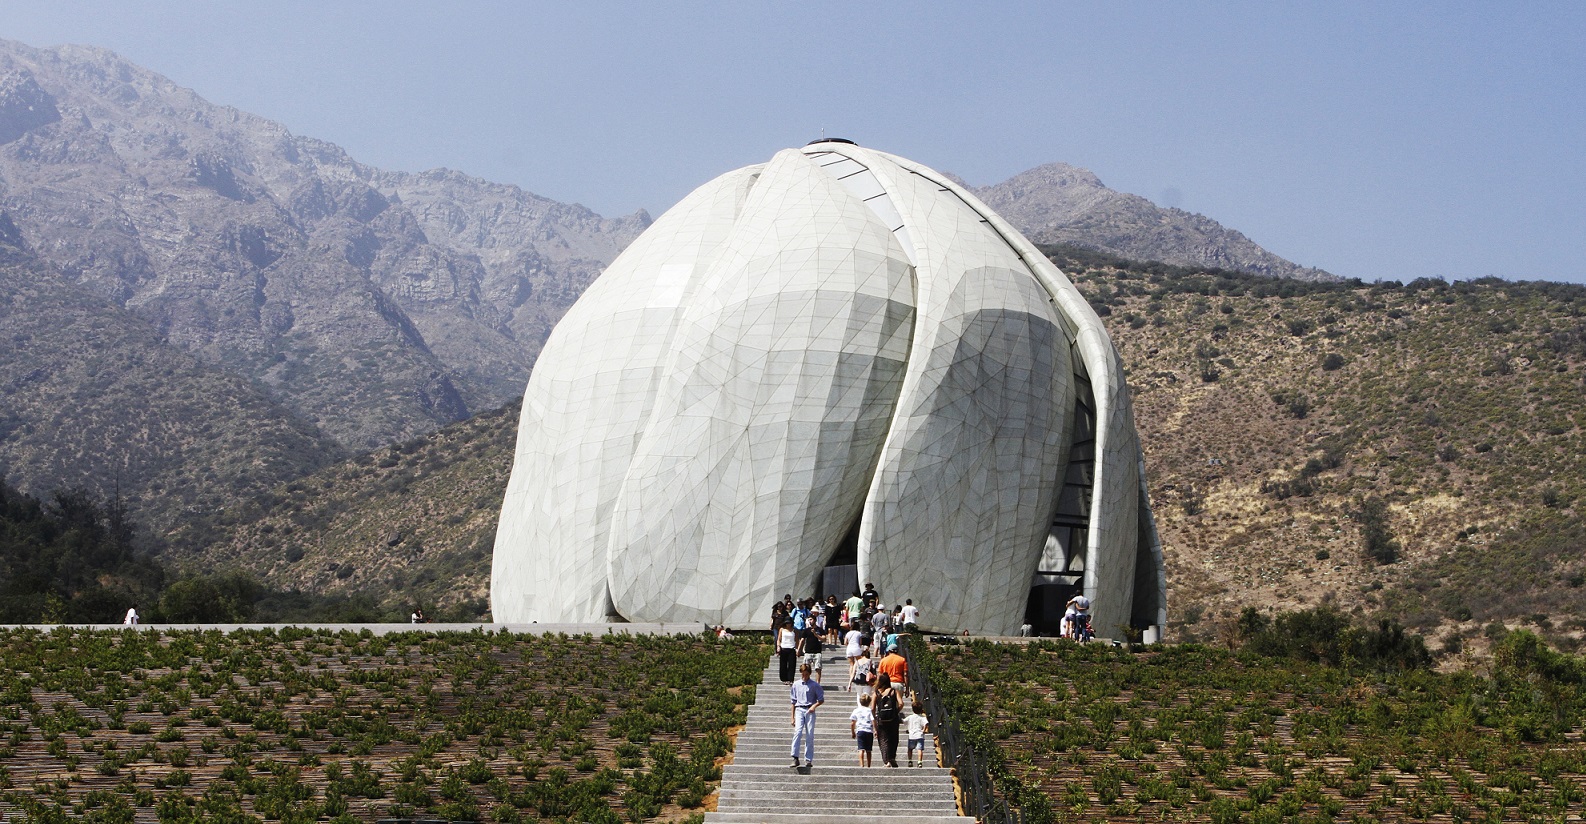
(298, 725)
(1191, 733)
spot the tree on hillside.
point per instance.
(69, 560)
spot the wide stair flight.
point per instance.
(759, 787)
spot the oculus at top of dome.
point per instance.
(835, 350)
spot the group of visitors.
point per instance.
(876, 721)
(802, 629)
(1075, 625)
(1076, 620)
(877, 671)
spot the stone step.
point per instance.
(815, 785)
(784, 743)
(784, 733)
(846, 758)
(726, 817)
(785, 748)
(904, 775)
(767, 702)
(833, 736)
(744, 797)
(839, 705)
(849, 806)
(824, 727)
(891, 779)
(842, 802)
(782, 759)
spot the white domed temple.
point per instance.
(832, 368)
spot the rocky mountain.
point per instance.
(376, 305)
(92, 396)
(1059, 203)
(1415, 451)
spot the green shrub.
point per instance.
(1325, 635)
(1377, 541)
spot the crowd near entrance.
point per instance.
(807, 632)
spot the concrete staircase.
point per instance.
(759, 787)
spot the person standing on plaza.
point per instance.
(1076, 613)
(131, 618)
(864, 675)
(880, 625)
(911, 614)
(787, 650)
(809, 650)
(805, 696)
(854, 650)
(888, 707)
(856, 605)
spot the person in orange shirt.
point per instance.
(895, 667)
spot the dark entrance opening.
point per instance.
(841, 575)
(1044, 610)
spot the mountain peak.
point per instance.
(1057, 174)
(1061, 203)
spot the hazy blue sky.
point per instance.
(1378, 139)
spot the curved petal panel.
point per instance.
(778, 391)
(585, 406)
(967, 482)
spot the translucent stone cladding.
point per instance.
(838, 342)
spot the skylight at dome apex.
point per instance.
(834, 367)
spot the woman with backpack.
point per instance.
(888, 708)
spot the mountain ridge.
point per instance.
(1057, 203)
(183, 210)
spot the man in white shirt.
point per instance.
(911, 614)
(131, 618)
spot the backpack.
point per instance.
(887, 709)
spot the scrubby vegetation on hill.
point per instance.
(409, 525)
(1410, 450)
(72, 559)
(94, 397)
(298, 726)
(69, 560)
(1194, 733)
